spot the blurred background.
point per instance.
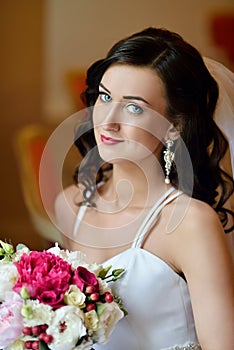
(46, 46)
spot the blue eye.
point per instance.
(105, 97)
(134, 109)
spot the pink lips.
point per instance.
(109, 140)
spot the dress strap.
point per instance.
(152, 216)
(81, 213)
(148, 222)
(79, 218)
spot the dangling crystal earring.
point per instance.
(168, 158)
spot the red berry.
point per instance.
(41, 336)
(90, 307)
(36, 330)
(90, 289)
(27, 331)
(35, 345)
(44, 327)
(28, 344)
(94, 296)
(48, 338)
(109, 297)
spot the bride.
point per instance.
(151, 194)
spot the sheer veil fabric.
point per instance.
(224, 117)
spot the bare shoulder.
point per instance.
(200, 251)
(194, 218)
(200, 234)
(201, 217)
(201, 224)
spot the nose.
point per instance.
(111, 115)
(111, 127)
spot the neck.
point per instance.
(133, 186)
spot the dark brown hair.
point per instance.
(191, 94)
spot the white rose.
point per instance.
(42, 313)
(73, 319)
(91, 320)
(95, 268)
(74, 296)
(110, 315)
(17, 345)
(75, 258)
(20, 250)
(103, 286)
(8, 276)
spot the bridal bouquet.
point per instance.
(54, 300)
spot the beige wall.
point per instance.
(77, 32)
(40, 41)
(20, 103)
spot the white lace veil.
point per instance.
(224, 117)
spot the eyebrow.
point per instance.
(104, 87)
(127, 97)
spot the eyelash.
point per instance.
(102, 96)
(133, 108)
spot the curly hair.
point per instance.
(191, 97)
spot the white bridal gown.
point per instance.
(157, 299)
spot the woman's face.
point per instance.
(127, 116)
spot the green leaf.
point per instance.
(102, 274)
(24, 293)
(7, 258)
(2, 251)
(125, 312)
(27, 312)
(117, 272)
(42, 345)
(8, 248)
(100, 308)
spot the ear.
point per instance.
(172, 133)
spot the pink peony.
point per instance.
(83, 278)
(11, 321)
(45, 276)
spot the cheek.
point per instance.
(96, 136)
(96, 124)
(146, 139)
(95, 117)
(99, 112)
